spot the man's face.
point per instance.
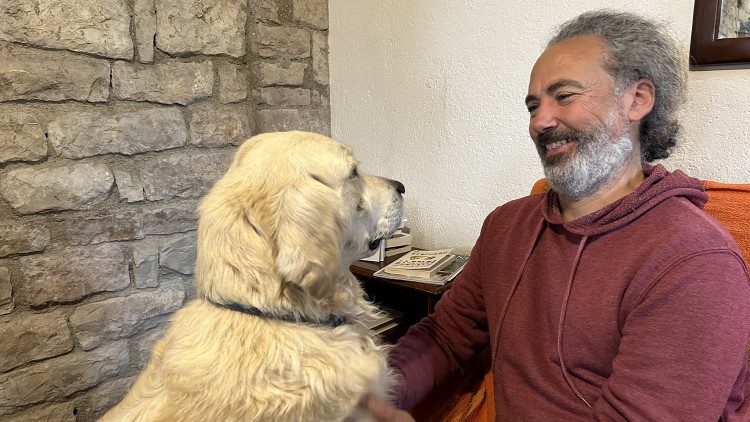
(577, 122)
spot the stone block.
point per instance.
(63, 376)
(97, 401)
(92, 230)
(283, 42)
(100, 322)
(318, 121)
(19, 237)
(184, 174)
(50, 278)
(79, 135)
(34, 337)
(77, 186)
(171, 219)
(21, 137)
(146, 266)
(291, 74)
(144, 23)
(29, 74)
(171, 82)
(265, 10)
(283, 96)
(212, 126)
(194, 26)
(320, 58)
(58, 412)
(6, 292)
(130, 188)
(142, 346)
(311, 12)
(317, 99)
(100, 27)
(188, 281)
(179, 255)
(6, 289)
(232, 83)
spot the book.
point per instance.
(399, 238)
(388, 319)
(397, 250)
(440, 278)
(421, 264)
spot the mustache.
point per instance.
(559, 135)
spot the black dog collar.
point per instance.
(332, 320)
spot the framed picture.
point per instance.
(721, 35)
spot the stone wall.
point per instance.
(116, 116)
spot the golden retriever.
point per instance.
(278, 331)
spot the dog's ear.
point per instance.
(309, 231)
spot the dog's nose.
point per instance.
(399, 186)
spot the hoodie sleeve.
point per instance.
(444, 341)
(683, 344)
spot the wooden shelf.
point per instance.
(413, 300)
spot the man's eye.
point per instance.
(532, 107)
(563, 96)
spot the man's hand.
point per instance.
(383, 411)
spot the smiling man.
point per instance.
(584, 127)
(613, 296)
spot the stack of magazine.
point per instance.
(433, 267)
(398, 243)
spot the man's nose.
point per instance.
(544, 118)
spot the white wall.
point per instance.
(431, 93)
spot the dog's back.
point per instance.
(253, 369)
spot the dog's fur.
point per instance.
(277, 232)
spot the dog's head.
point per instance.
(293, 206)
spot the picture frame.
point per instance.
(710, 50)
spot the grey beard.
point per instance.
(596, 162)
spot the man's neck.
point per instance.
(626, 183)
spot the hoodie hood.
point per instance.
(658, 186)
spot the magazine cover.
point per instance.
(419, 259)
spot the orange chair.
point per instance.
(728, 203)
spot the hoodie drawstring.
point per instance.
(561, 323)
(513, 288)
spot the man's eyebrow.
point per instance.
(555, 86)
(561, 83)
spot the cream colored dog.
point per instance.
(278, 332)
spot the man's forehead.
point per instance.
(569, 62)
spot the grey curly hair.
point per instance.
(639, 48)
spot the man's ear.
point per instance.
(641, 98)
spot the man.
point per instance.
(613, 296)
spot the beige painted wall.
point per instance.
(431, 93)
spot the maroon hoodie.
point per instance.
(638, 311)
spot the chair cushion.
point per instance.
(730, 204)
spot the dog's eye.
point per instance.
(354, 173)
(360, 207)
